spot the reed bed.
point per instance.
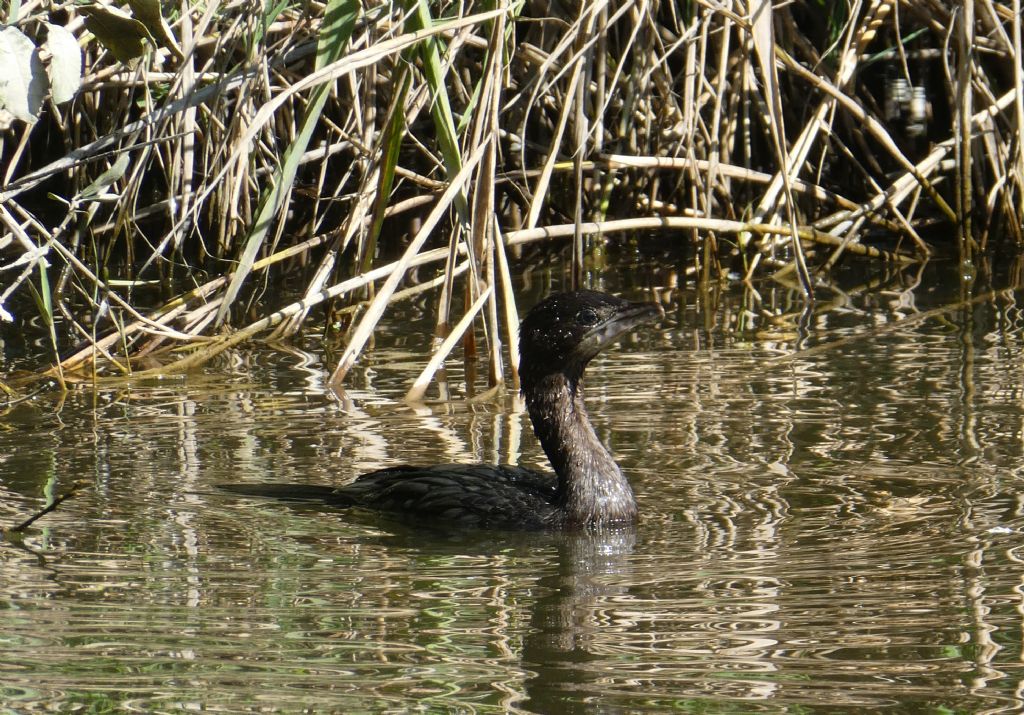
(363, 153)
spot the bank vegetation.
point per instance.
(232, 171)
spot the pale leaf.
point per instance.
(65, 66)
(23, 83)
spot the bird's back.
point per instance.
(458, 495)
(478, 495)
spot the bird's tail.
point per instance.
(290, 492)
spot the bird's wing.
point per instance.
(499, 496)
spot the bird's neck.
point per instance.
(592, 491)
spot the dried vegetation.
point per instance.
(367, 152)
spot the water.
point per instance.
(837, 532)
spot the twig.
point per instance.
(75, 487)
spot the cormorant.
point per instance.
(557, 339)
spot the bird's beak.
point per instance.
(628, 317)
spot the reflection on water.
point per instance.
(836, 532)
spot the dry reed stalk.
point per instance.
(420, 385)
(376, 309)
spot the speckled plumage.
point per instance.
(557, 340)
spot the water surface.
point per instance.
(834, 532)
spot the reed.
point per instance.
(246, 143)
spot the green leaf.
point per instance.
(391, 144)
(440, 107)
(118, 32)
(339, 20)
(104, 180)
(270, 14)
(148, 13)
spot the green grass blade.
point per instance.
(44, 300)
(339, 20)
(440, 107)
(391, 144)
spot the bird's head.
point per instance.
(564, 332)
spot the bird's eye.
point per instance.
(587, 316)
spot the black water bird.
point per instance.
(557, 339)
